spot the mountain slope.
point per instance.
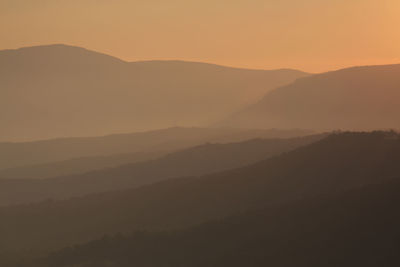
(331, 166)
(361, 98)
(355, 228)
(63, 91)
(195, 161)
(165, 140)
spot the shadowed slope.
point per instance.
(355, 228)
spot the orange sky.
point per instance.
(312, 35)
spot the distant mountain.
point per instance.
(329, 167)
(360, 98)
(26, 154)
(63, 91)
(195, 161)
(355, 228)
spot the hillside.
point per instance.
(359, 98)
(196, 161)
(355, 228)
(331, 166)
(165, 140)
(63, 91)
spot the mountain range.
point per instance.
(32, 159)
(328, 168)
(64, 91)
(195, 161)
(109, 163)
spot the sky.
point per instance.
(311, 35)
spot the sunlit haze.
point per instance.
(229, 133)
(311, 35)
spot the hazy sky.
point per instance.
(312, 35)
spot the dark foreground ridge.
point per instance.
(356, 228)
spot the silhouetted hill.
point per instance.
(164, 140)
(329, 167)
(195, 161)
(355, 228)
(361, 98)
(64, 91)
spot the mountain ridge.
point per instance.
(359, 98)
(179, 61)
(19, 154)
(71, 91)
(330, 228)
(192, 162)
(335, 164)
